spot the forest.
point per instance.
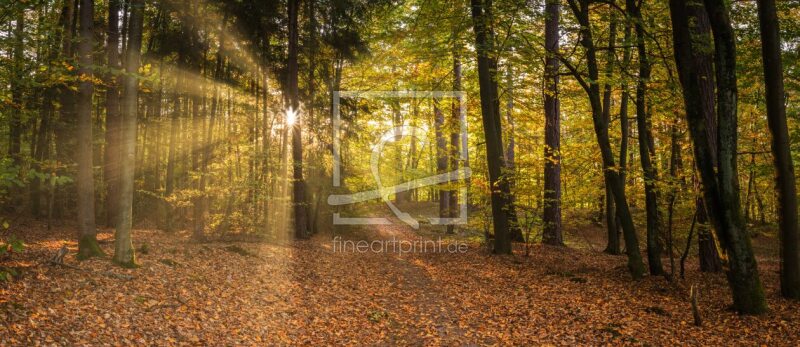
(399, 172)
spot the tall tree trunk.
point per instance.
(111, 157)
(511, 146)
(65, 125)
(720, 189)
(700, 30)
(172, 150)
(196, 132)
(646, 147)
(124, 253)
(175, 125)
(455, 127)
(87, 245)
(441, 156)
(676, 184)
(612, 220)
(312, 89)
(784, 168)
(17, 105)
(300, 206)
(612, 178)
(47, 114)
(613, 246)
(15, 124)
(510, 157)
(501, 203)
(743, 274)
(551, 218)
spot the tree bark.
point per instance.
(124, 253)
(784, 168)
(15, 124)
(455, 127)
(87, 245)
(612, 178)
(720, 189)
(111, 156)
(441, 157)
(612, 220)
(743, 274)
(613, 246)
(646, 147)
(551, 218)
(490, 114)
(510, 158)
(700, 29)
(300, 206)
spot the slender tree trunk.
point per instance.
(612, 220)
(312, 89)
(551, 218)
(612, 178)
(751, 176)
(196, 132)
(613, 246)
(510, 158)
(490, 111)
(455, 126)
(720, 189)
(300, 206)
(175, 128)
(65, 125)
(15, 126)
(784, 168)
(441, 156)
(675, 164)
(47, 114)
(87, 245)
(172, 150)
(646, 147)
(111, 157)
(17, 105)
(124, 253)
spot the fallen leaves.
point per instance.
(187, 293)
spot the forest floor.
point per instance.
(307, 292)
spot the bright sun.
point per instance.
(291, 116)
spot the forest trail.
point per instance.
(307, 292)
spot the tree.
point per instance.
(15, 126)
(580, 8)
(455, 130)
(441, 157)
(111, 158)
(490, 114)
(612, 219)
(124, 253)
(700, 30)
(551, 218)
(646, 146)
(784, 168)
(87, 245)
(720, 189)
(299, 203)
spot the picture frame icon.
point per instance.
(384, 192)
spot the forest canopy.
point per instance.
(656, 136)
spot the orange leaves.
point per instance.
(305, 294)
